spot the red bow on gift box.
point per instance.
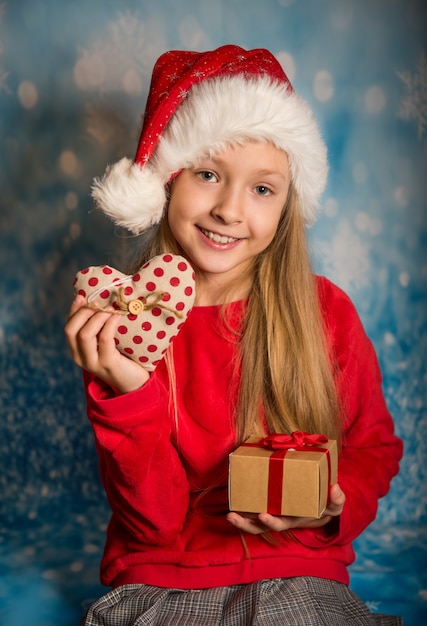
(297, 439)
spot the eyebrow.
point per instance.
(270, 172)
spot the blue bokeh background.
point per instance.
(73, 80)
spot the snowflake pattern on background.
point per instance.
(121, 58)
(414, 105)
(345, 257)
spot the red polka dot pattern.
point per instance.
(144, 337)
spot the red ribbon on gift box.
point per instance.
(281, 443)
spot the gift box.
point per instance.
(283, 474)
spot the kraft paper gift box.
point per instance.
(283, 474)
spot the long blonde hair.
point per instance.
(284, 362)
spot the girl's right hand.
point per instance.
(90, 337)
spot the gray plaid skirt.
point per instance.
(301, 601)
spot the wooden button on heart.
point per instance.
(135, 307)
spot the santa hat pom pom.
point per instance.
(132, 196)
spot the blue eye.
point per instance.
(207, 176)
(262, 190)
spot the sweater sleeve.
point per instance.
(371, 451)
(140, 468)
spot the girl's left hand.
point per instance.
(263, 522)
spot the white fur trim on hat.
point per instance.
(132, 196)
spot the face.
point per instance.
(225, 212)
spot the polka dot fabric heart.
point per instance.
(154, 303)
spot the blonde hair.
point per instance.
(284, 361)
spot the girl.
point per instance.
(228, 172)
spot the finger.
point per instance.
(336, 495)
(336, 501)
(82, 335)
(247, 524)
(105, 339)
(89, 335)
(76, 304)
(76, 321)
(78, 317)
(279, 523)
(274, 522)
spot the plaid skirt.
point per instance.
(301, 601)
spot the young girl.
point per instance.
(228, 172)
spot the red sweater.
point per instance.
(166, 478)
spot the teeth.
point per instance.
(217, 238)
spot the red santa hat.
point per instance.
(199, 103)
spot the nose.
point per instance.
(229, 206)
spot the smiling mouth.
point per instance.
(218, 238)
